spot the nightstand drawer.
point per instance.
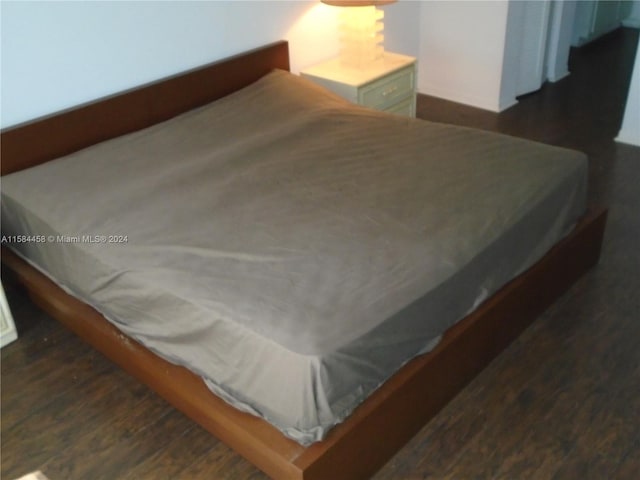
(405, 108)
(388, 90)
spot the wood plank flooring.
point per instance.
(563, 402)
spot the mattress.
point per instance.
(290, 248)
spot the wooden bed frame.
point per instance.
(390, 416)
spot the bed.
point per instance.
(310, 331)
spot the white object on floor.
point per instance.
(33, 476)
(8, 331)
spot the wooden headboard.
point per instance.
(65, 132)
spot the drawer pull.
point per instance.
(389, 91)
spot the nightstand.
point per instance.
(388, 85)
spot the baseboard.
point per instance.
(484, 103)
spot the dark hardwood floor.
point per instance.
(563, 402)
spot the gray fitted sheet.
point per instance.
(292, 249)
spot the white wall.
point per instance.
(595, 18)
(524, 67)
(462, 47)
(633, 17)
(630, 131)
(59, 54)
(559, 42)
(402, 27)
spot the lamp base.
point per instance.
(361, 36)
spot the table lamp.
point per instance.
(361, 31)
